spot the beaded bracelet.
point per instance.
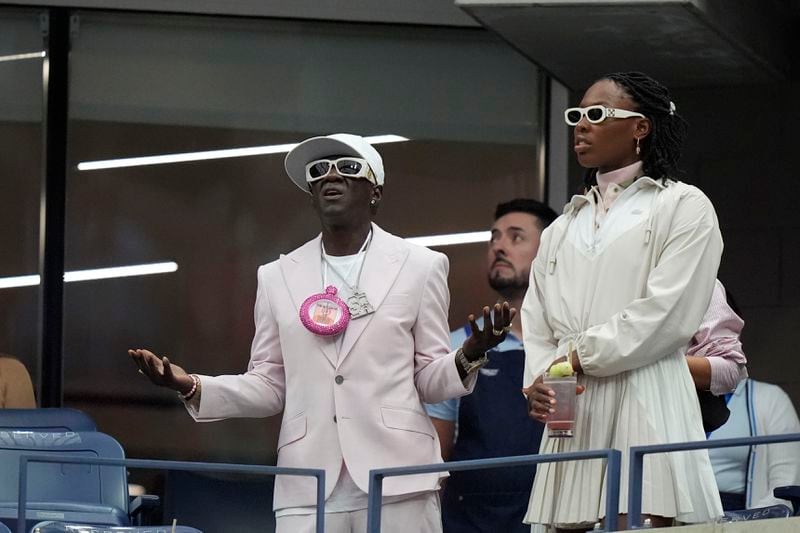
(188, 395)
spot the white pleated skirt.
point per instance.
(655, 404)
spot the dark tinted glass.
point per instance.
(218, 91)
(595, 114)
(348, 167)
(319, 169)
(574, 116)
(20, 165)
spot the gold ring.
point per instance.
(507, 328)
(497, 332)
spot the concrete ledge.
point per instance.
(682, 43)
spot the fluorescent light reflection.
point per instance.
(94, 274)
(452, 238)
(19, 281)
(212, 154)
(18, 57)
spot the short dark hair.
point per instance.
(541, 211)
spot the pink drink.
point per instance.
(561, 423)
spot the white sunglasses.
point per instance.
(597, 114)
(348, 167)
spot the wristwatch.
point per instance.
(467, 365)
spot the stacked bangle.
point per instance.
(193, 390)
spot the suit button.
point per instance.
(334, 419)
(339, 380)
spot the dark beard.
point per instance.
(509, 287)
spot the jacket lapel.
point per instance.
(302, 274)
(384, 260)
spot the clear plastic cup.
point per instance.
(561, 423)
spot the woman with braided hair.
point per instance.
(620, 285)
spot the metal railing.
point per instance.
(637, 463)
(614, 458)
(376, 477)
(166, 465)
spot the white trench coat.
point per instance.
(628, 296)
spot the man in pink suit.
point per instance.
(351, 338)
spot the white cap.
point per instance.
(336, 144)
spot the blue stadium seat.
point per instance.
(47, 419)
(760, 513)
(790, 493)
(60, 527)
(87, 494)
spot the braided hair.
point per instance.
(661, 149)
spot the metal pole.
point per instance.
(637, 454)
(53, 457)
(376, 476)
(635, 487)
(55, 85)
(375, 499)
(543, 136)
(321, 502)
(613, 467)
(22, 497)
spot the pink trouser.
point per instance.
(421, 514)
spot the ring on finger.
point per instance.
(507, 328)
(497, 332)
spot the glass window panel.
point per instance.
(20, 180)
(148, 85)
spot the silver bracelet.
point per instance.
(467, 365)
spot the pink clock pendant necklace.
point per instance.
(325, 313)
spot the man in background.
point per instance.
(478, 426)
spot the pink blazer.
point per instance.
(364, 405)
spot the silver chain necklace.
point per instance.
(357, 302)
